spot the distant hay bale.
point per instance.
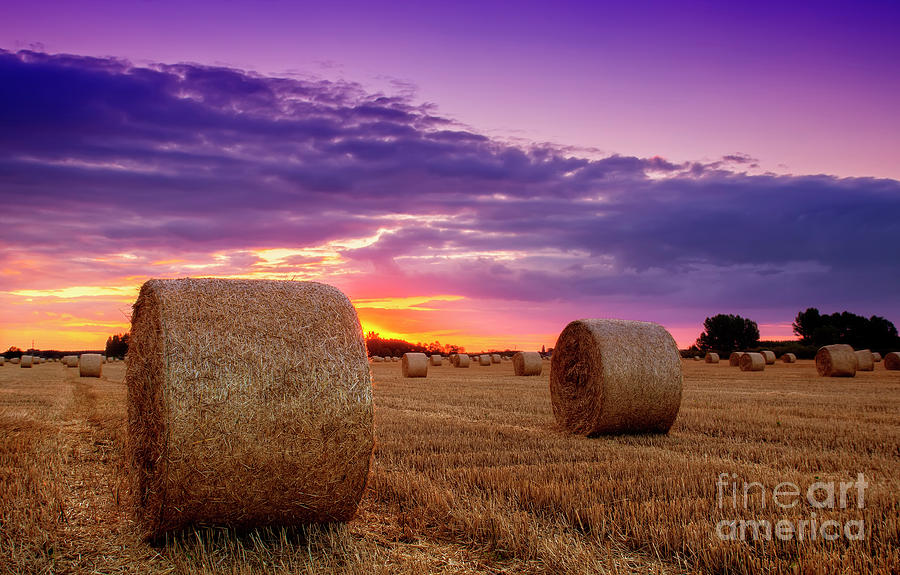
(698, 358)
(876, 357)
(103, 358)
(2, 360)
(91, 365)
(789, 358)
(66, 360)
(26, 361)
(527, 363)
(892, 361)
(377, 359)
(711, 357)
(734, 360)
(495, 358)
(865, 360)
(484, 359)
(15, 360)
(249, 404)
(436, 359)
(395, 359)
(769, 356)
(615, 376)
(753, 362)
(459, 360)
(838, 360)
(414, 365)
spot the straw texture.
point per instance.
(495, 358)
(90, 365)
(789, 358)
(615, 376)
(865, 361)
(527, 363)
(753, 362)
(769, 356)
(436, 359)
(876, 357)
(460, 360)
(734, 360)
(249, 404)
(838, 360)
(484, 359)
(26, 361)
(414, 365)
(712, 357)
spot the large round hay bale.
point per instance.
(865, 361)
(436, 359)
(734, 360)
(711, 357)
(838, 360)
(789, 358)
(876, 357)
(615, 376)
(462, 360)
(769, 356)
(527, 363)
(753, 362)
(26, 361)
(892, 361)
(484, 359)
(90, 365)
(249, 404)
(2, 359)
(495, 358)
(414, 365)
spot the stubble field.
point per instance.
(472, 476)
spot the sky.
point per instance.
(467, 173)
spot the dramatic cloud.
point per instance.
(111, 173)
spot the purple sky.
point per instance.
(527, 166)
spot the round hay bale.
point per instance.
(876, 357)
(103, 358)
(698, 358)
(395, 359)
(15, 360)
(865, 361)
(752, 362)
(2, 359)
(462, 361)
(436, 359)
(769, 356)
(414, 365)
(711, 357)
(495, 358)
(734, 360)
(91, 365)
(892, 361)
(615, 376)
(527, 363)
(26, 361)
(249, 404)
(484, 359)
(789, 358)
(838, 360)
(377, 359)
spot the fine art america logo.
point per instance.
(818, 497)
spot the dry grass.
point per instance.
(472, 476)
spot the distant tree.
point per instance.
(12, 352)
(117, 345)
(726, 333)
(816, 329)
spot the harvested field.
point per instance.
(472, 476)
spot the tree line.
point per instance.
(725, 333)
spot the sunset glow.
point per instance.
(697, 164)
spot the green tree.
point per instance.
(726, 333)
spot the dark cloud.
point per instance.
(186, 158)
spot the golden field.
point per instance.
(472, 476)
